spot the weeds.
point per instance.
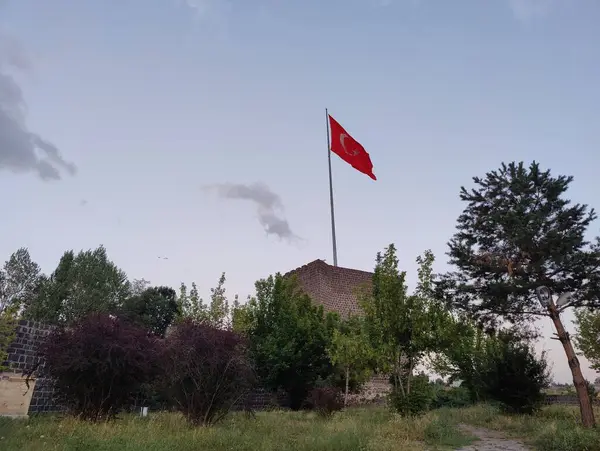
(351, 430)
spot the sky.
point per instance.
(195, 129)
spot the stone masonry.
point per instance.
(22, 355)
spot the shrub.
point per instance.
(325, 401)
(515, 377)
(98, 364)
(451, 397)
(415, 402)
(206, 371)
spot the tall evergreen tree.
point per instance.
(518, 232)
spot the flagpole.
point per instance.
(331, 192)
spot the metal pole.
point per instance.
(331, 192)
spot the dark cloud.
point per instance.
(268, 206)
(22, 150)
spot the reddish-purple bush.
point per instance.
(99, 364)
(325, 401)
(206, 371)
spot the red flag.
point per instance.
(349, 150)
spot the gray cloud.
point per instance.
(22, 150)
(268, 205)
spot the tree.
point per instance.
(402, 328)
(350, 349)
(518, 232)
(138, 286)
(288, 338)
(465, 358)
(81, 284)
(19, 281)
(8, 327)
(587, 339)
(155, 309)
(192, 306)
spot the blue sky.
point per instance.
(153, 100)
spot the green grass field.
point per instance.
(374, 429)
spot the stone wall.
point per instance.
(22, 356)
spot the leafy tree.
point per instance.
(288, 338)
(519, 232)
(351, 349)
(138, 286)
(240, 316)
(218, 309)
(402, 328)
(587, 339)
(465, 358)
(81, 284)
(19, 281)
(192, 306)
(8, 327)
(154, 308)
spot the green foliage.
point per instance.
(517, 232)
(81, 284)
(240, 317)
(19, 281)
(451, 397)
(288, 338)
(466, 357)
(496, 366)
(515, 376)
(351, 350)
(154, 308)
(192, 306)
(8, 327)
(417, 401)
(403, 328)
(587, 323)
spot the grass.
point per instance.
(356, 429)
(554, 428)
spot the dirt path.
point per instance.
(490, 441)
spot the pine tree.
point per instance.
(518, 232)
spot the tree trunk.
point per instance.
(585, 404)
(347, 386)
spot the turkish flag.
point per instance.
(349, 150)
